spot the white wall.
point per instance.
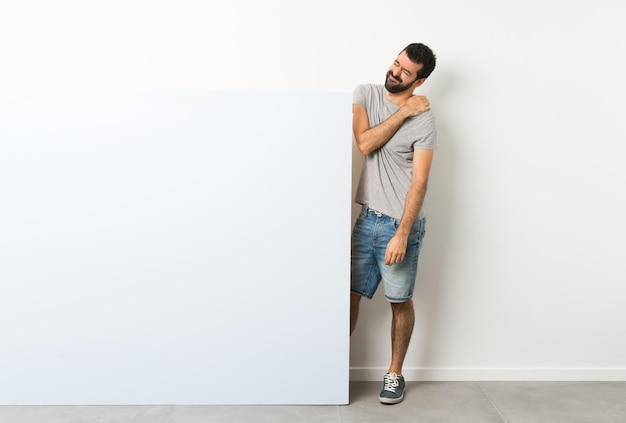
(521, 273)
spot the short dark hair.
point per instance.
(422, 55)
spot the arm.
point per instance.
(396, 248)
(371, 139)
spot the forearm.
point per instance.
(396, 248)
(412, 207)
(374, 138)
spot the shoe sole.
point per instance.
(391, 400)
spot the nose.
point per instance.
(396, 71)
(396, 74)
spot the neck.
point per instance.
(399, 98)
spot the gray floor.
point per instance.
(532, 402)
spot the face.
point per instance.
(402, 74)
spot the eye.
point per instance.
(406, 72)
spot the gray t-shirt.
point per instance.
(387, 172)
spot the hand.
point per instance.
(396, 250)
(416, 105)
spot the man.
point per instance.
(395, 131)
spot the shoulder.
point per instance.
(424, 120)
(368, 88)
(366, 93)
(423, 130)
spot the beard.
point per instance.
(396, 87)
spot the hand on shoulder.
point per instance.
(416, 104)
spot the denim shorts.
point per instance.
(370, 236)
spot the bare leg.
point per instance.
(401, 331)
(355, 301)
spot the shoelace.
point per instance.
(391, 382)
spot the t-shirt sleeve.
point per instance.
(359, 96)
(428, 133)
